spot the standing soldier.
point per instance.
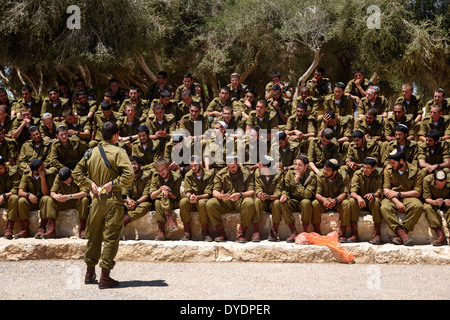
(402, 187)
(198, 186)
(365, 192)
(9, 185)
(436, 192)
(106, 171)
(298, 191)
(67, 195)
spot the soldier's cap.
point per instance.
(358, 133)
(81, 92)
(64, 173)
(223, 124)
(106, 105)
(61, 128)
(440, 175)
(334, 161)
(402, 125)
(235, 74)
(177, 138)
(393, 152)
(47, 114)
(281, 135)
(35, 164)
(32, 129)
(268, 161)
(339, 85)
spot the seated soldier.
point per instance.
(436, 192)
(194, 125)
(373, 100)
(338, 102)
(21, 126)
(6, 121)
(156, 88)
(184, 105)
(54, 104)
(342, 128)
(170, 106)
(8, 149)
(47, 127)
(286, 151)
(34, 193)
(137, 197)
(237, 89)
(178, 153)
(251, 149)
(84, 107)
(439, 98)
(305, 97)
(402, 187)
(434, 155)
(280, 106)
(357, 87)
(242, 108)
(9, 184)
(413, 105)
(194, 87)
(320, 87)
(218, 148)
(214, 109)
(300, 128)
(409, 147)
(399, 117)
(198, 186)
(321, 149)
(143, 148)
(360, 149)
(66, 194)
(161, 126)
(435, 121)
(370, 125)
(331, 194)
(287, 90)
(165, 192)
(268, 187)
(233, 191)
(77, 126)
(264, 119)
(100, 117)
(142, 106)
(128, 127)
(297, 195)
(366, 193)
(35, 148)
(233, 123)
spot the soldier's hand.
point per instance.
(33, 198)
(108, 187)
(94, 188)
(2, 198)
(361, 203)
(400, 207)
(447, 202)
(439, 201)
(283, 199)
(235, 196)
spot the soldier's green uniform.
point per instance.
(162, 204)
(376, 129)
(81, 205)
(196, 90)
(370, 149)
(197, 185)
(7, 125)
(217, 105)
(147, 154)
(410, 149)
(153, 93)
(140, 187)
(411, 179)
(245, 206)
(187, 123)
(9, 183)
(318, 153)
(83, 110)
(445, 107)
(169, 109)
(321, 90)
(30, 183)
(305, 125)
(24, 134)
(99, 120)
(343, 108)
(48, 132)
(66, 156)
(54, 109)
(343, 128)
(312, 106)
(105, 220)
(391, 123)
(239, 93)
(332, 189)
(35, 105)
(30, 151)
(431, 191)
(183, 108)
(287, 155)
(300, 196)
(352, 88)
(217, 151)
(234, 124)
(270, 185)
(362, 185)
(381, 104)
(142, 108)
(268, 122)
(443, 126)
(81, 125)
(440, 153)
(287, 88)
(154, 125)
(8, 150)
(414, 107)
(284, 106)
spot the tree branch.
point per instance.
(144, 66)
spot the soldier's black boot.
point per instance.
(106, 281)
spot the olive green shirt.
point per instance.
(60, 187)
(443, 126)
(243, 182)
(271, 185)
(199, 185)
(410, 149)
(431, 191)
(371, 149)
(343, 108)
(69, 155)
(32, 184)
(173, 182)
(414, 107)
(305, 124)
(318, 154)
(54, 109)
(332, 188)
(304, 189)
(140, 186)
(362, 185)
(410, 180)
(30, 151)
(352, 88)
(376, 129)
(438, 155)
(10, 180)
(391, 123)
(381, 104)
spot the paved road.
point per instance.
(63, 280)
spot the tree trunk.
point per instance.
(245, 74)
(302, 80)
(214, 86)
(144, 66)
(158, 64)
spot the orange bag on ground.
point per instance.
(331, 241)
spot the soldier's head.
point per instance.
(261, 107)
(232, 164)
(235, 79)
(143, 134)
(65, 175)
(109, 96)
(47, 119)
(332, 118)
(282, 138)
(359, 138)
(82, 96)
(188, 80)
(194, 110)
(196, 164)
(227, 113)
(27, 92)
(372, 94)
(35, 134)
(432, 138)
(219, 130)
(399, 111)
(305, 92)
(3, 96)
(25, 112)
(275, 92)
(319, 73)
(53, 94)
(397, 160)
(134, 93)
(164, 97)
(69, 116)
(159, 111)
(162, 167)
(186, 96)
(435, 112)
(36, 166)
(326, 136)
(224, 94)
(136, 164)
(113, 85)
(253, 135)
(358, 73)
(3, 111)
(62, 134)
(130, 111)
(407, 91)
(301, 164)
(275, 77)
(80, 84)
(440, 178)
(2, 166)
(330, 168)
(369, 165)
(301, 110)
(439, 96)
(250, 95)
(371, 115)
(63, 87)
(338, 90)
(107, 108)
(400, 133)
(110, 131)
(161, 77)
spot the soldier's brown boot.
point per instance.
(9, 229)
(221, 237)
(187, 231)
(305, 227)
(273, 236)
(403, 234)
(342, 234)
(294, 233)
(82, 229)
(160, 236)
(240, 237)
(171, 221)
(376, 238)
(51, 230)
(25, 232)
(41, 229)
(89, 277)
(106, 281)
(440, 237)
(205, 233)
(256, 237)
(316, 228)
(354, 237)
